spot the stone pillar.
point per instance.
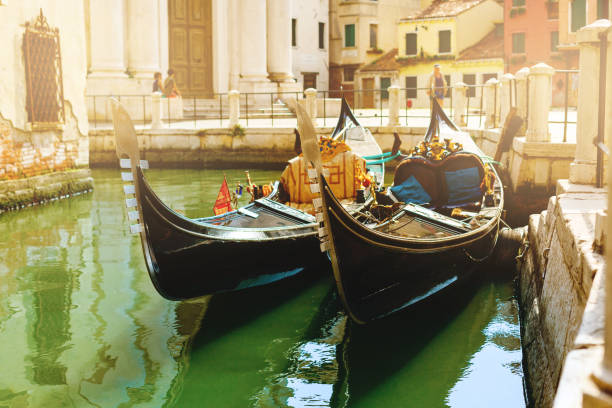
(506, 99)
(234, 107)
(234, 43)
(583, 169)
(460, 103)
(394, 102)
(106, 46)
(252, 30)
(143, 38)
(279, 37)
(540, 98)
(156, 110)
(521, 96)
(491, 101)
(311, 104)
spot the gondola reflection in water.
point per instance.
(262, 242)
(425, 233)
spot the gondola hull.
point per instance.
(377, 275)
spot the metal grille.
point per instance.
(43, 63)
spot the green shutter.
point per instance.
(554, 41)
(444, 41)
(385, 83)
(411, 84)
(518, 43)
(411, 44)
(349, 35)
(578, 17)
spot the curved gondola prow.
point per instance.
(438, 116)
(312, 154)
(126, 146)
(345, 113)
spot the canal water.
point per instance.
(82, 326)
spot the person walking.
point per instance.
(437, 85)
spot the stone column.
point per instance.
(394, 102)
(583, 169)
(540, 98)
(106, 22)
(279, 37)
(156, 110)
(234, 107)
(521, 96)
(143, 38)
(506, 99)
(234, 42)
(460, 103)
(311, 104)
(253, 40)
(491, 101)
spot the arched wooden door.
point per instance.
(190, 23)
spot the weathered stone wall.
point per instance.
(555, 278)
(214, 148)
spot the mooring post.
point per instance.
(505, 97)
(540, 98)
(233, 97)
(311, 104)
(156, 110)
(394, 96)
(459, 103)
(521, 95)
(490, 102)
(583, 168)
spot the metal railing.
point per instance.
(208, 111)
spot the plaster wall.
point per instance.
(73, 53)
(306, 55)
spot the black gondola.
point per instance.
(424, 245)
(260, 243)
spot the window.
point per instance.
(554, 41)
(349, 74)
(470, 79)
(411, 44)
(486, 77)
(448, 85)
(385, 83)
(603, 9)
(43, 70)
(552, 7)
(411, 85)
(444, 41)
(518, 3)
(518, 43)
(321, 36)
(578, 15)
(293, 32)
(349, 35)
(310, 80)
(373, 36)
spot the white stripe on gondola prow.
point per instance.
(129, 189)
(131, 202)
(136, 228)
(127, 176)
(127, 164)
(133, 215)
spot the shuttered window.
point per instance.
(293, 32)
(578, 15)
(554, 41)
(321, 36)
(349, 35)
(518, 43)
(411, 84)
(470, 79)
(385, 83)
(373, 36)
(444, 41)
(411, 44)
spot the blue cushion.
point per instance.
(463, 185)
(411, 191)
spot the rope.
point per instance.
(473, 259)
(382, 160)
(376, 156)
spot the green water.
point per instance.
(82, 326)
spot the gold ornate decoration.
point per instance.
(435, 150)
(43, 66)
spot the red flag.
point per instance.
(224, 200)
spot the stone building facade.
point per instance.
(213, 45)
(43, 120)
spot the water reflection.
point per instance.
(81, 325)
